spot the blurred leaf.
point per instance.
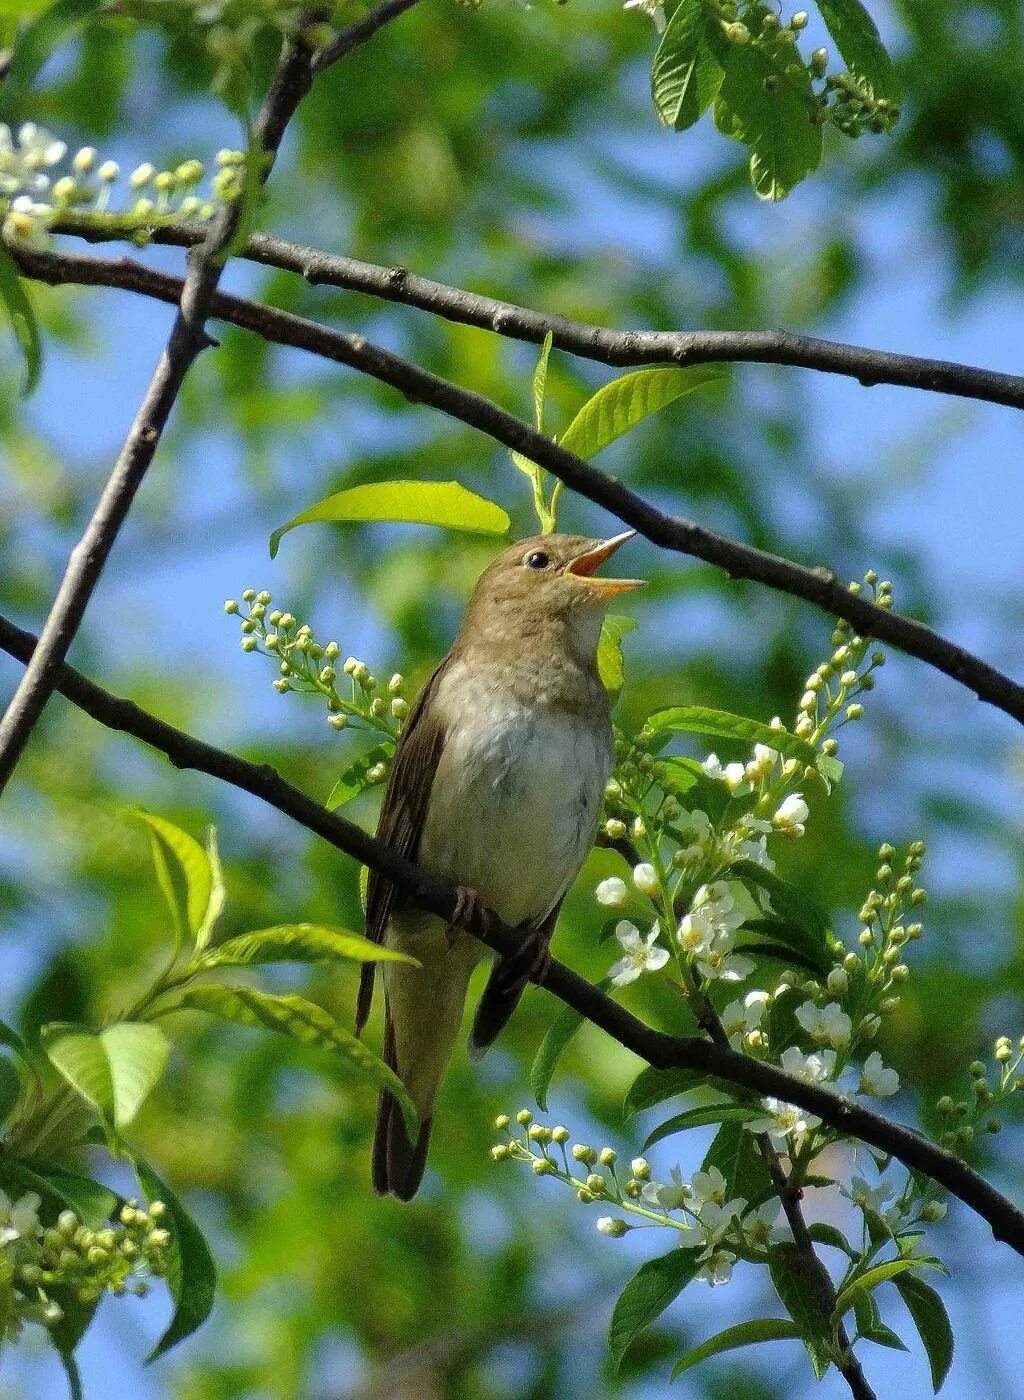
(303, 1021)
(789, 1275)
(540, 379)
(700, 1117)
(23, 318)
(114, 1069)
(552, 1048)
(10, 1037)
(744, 1334)
(192, 862)
(355, 779)
(627, 401)
(39, 39)
(686, 74)
(301, 943)
(191, 1273)
(10, 1087)
(932, 1322)
(443, 503)
(864, 54)
(609, 651)
(646, 1296)
(698, 719)
(766, 102)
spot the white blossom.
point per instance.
(19, 1218)
(827, 1025)
(708, 1186)
(813, 1069)
(28, 222)
(717, 1268)
(784, 1121)
(877, 1078)
(639, 953)
(869, 1198)
(739, 1018)
(645, 877)
(611, 892)
(613, 1227)
(759, 1226)
(792, 815)
(671, 1196)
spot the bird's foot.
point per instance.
(469, 909)
(531, 960)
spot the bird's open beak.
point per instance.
(585, 565)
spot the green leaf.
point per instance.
(92, 1202)
(354, 780)
(540, 379)
(870, 1324)
(800, 925)
(191, 861)
(10, 1037)
(744, 1334)
(23, 318)
(799, 1298)
(626, 401)
(552, 1047)
(653, 1086)
(686, 74)
(701, 1117)
(822, 1233)
(191, 1273)
(609, 651)
(38, 40)
(698, 719)
(766, 102)
(306, 1023)
(772, 928)
(735, 1153)
(864, 54)
(113, 1069)
(10, 1088)
(443, 503)
(870, 1280)
(932, 1322)
(300, 943)
(646, 1296)
(215, 904)
(68, 1332)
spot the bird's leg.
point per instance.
(530, 961)
(469, 909)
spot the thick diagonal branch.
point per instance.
(844, 1114)
(818, 586)
(601, 343)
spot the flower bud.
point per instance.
(500, 1152)
(614, 829)
(612, 1227)
(645, 877)
(607, 1156)
(502, 1122)
(640, 1168)
(109, 171)
(838, 982)
(524, 1116)
(596, 1185)
(338, 721)
(582, 1153)
(540, 1166)
(560, 1135)
(854, 711)
(932, 1211)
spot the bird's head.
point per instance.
(549, 582)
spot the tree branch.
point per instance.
(600, 343)
(664, 1051)
(359, 32)
(817, 586)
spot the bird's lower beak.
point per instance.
(585, 565)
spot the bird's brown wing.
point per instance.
(402, 816)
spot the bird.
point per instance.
(496, 786)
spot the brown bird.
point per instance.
(497, 787)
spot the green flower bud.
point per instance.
(596, 1184)
(500, 1152)
(542, 1167)
(607, 1156)
(524, 1116)
(582, 1153)
(560, 1135)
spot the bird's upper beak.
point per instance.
(585, 565)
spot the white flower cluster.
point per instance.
(36, 1259)
(33, 198)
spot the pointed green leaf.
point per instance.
(628, 400)
(646, 1296)
(443, 503)
(38, 40)
(932, 1322)
(215, 904)
(355, 779)
(720, 724)
(799, 1297)
(306, 1023)
(92, 1202)
(653, 1086)
(553, 1046)
(700, 1117)
(863, 52)
(540, 379)
(609, 651)
(300, 943)
(113, 1070)
(821, 1233)
(10, 1088)
(744, 1334)
(191, 861)
(191, 1273)
(686, 74)
(735, 1153)
(870, 1325)
(870, 1280)
(799, 926)
(175, 902)
(23, 318)
(766, 102)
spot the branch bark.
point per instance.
(664, 1051)
(601, 343)
(817, 586)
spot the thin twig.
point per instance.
(605, 345)
(358, 33)
(817, 586)
(426, 892)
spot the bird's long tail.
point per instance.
(422, 1016)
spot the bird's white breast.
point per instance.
(516, 797)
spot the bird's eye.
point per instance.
(536, 559)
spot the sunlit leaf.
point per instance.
(215, 904)
(881, 1273)
(191, 861)
(302, 943)
(627, 401)
(686, 73)
(744, 1334)
(444, 503)
(653, 1086)
(766, 102)
(698, 719)
(864, 54)
(356, 779)
(113, 1069)
(609, 651)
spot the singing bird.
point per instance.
(497, 787)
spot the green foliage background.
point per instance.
(514, 151)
